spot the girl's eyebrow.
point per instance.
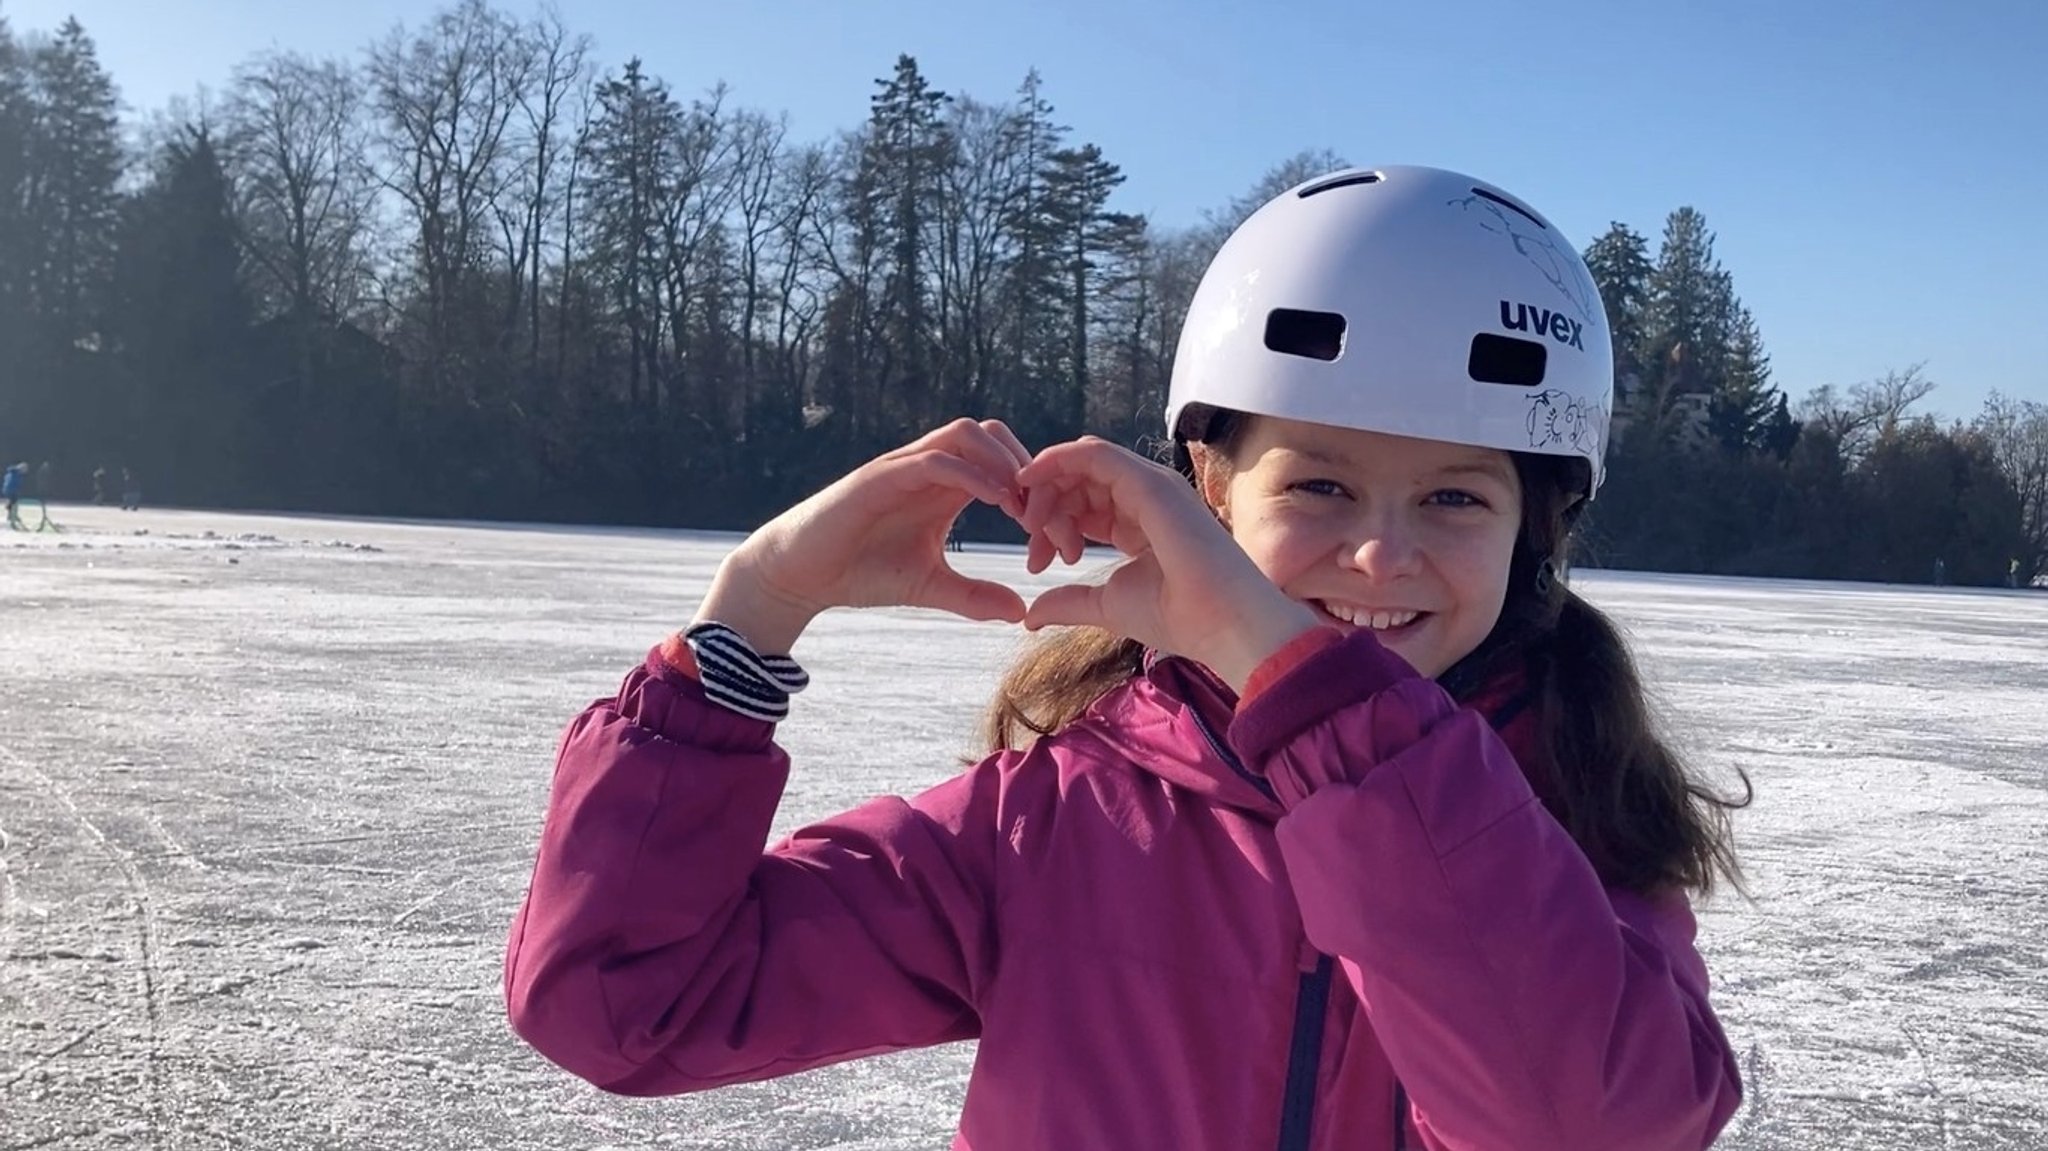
(1320, 456)
(1491, 468)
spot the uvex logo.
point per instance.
(1556, 325)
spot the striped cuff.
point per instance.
(737, 677)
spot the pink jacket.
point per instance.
(1337, 918)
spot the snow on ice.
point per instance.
(269, 788)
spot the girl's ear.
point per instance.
(1212, 481)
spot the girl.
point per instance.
(1331, 819)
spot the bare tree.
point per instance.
(1304, 165)
(849, 247)
(756, 158)
(978, 244)
(553, 62)
(1888, 399)
(581, 113)
(2017, 431)
(802, 193)
(446, 98)
(1872, 412)
(296, 146)
(700, 189)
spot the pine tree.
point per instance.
(59, 242)
(630, 161)
(74, 168)
(1685, 328)
(1034, 282)
(182, 326)
(1746, 409)
(1078, 184)
(16, 232)
(1620, 263)
(903, 170)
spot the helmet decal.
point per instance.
(1539, 246)
(1559, 417)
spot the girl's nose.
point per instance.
(1386, 550)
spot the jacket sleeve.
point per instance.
(1522, 1003)
(660, 950)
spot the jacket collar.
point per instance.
(1171, 720)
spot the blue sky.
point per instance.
(1870, 169)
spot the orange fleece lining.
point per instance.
(1290, 656)
(676, 653)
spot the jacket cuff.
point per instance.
(1290, 655)
(670, 703)
(1334, 675)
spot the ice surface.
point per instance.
(269, 788)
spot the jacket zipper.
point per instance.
(1230, 759)
(1311, 1001)
(1304, 1057)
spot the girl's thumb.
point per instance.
(1069, 605)
(975, 599)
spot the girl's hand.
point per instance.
(1186, 588)
(875, 538)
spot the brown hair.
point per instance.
(1602, 766)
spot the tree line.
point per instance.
(471, 271)
(1714, 469)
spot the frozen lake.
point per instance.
(269, 788)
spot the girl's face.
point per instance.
(1410, 538)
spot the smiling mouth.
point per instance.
(1381, 621)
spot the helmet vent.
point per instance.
(1344, 181)
(1312, 335)
(1510, 205)
(1507, 360)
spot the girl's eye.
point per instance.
(1453, 498)
(1320, 487)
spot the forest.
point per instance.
(474, 270)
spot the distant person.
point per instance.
(1334, 817)
(99, 485)
(43, 489)
(19, 485)
(131, 491)
(10, 490)
(1940, 572)
(2012, 574)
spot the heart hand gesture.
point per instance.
(875, 538)
(1185, 586)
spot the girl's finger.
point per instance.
(1038, 553)
(972, 598)
(972, 440)
(968, 440)
(1069, 605)
(943, 468)
(1073, 545)
(1087, 457)
(1004, 436)
(1039, 502)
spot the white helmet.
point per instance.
(1411, 301)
